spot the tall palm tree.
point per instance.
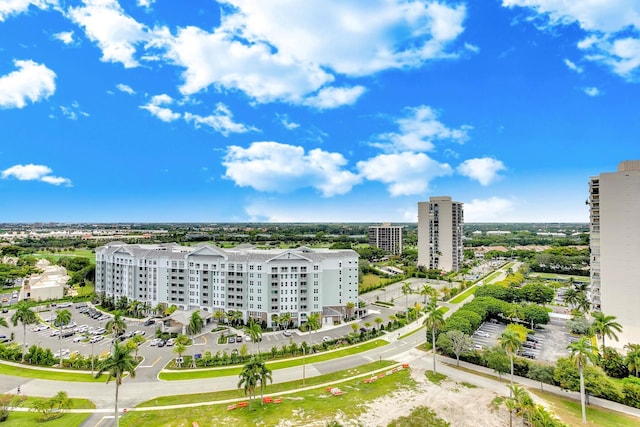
(63, 318)
(285, 318)
(249, 378)
(275, 320)
(26, 316)
(427, 290)
(581, 354)
(379, 321)
(511, 342)
(571, 297)
(254, 330)
(583, 304)
(196, 323)
(406, 290)
(116, 325)
(264, 375)
(116, 366)
(606, 326)
(632, 359)
(434, 321)
(218, 315)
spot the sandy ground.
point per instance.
(458, 404)
(454, 402)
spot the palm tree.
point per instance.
(571, 297)
(583, 304)
(606, 325)
(26, 316)
(218, 315)
(285, 319)
(249, 378)
(196, 323)
(63, 318)
(179, 348)
(350, 306)
(120, 362)
(313, 323)
(254, 330)
(632, 359)
(581, 353)
(116, 325)
(406, 290)
(275, 320)
(264, 375)
(434, 321)
(511, 342)
(524, 405)
(427, 290)
(379, 321)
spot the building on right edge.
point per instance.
(614, 200)
(440, 223)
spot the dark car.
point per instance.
(529, 354)
(162, 343)
(231, 340)
(529, 344)
(149, 322)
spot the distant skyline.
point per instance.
(312, 111)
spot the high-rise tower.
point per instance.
(440, 223)
(614, 200)
(386, 237)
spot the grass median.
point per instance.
(270, 389)
(31, 419)
(43, 374)
(301, 408)
(179, 375)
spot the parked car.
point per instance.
(482, 334)
(529, 354)
(40, 327)
(96, 338)
(155, 341)
(104, 317)
(64, 305)
(78, 338)
(139, 332)
(170, 342)
(238, 338)
(162, 343)
(529, 344)
(231, 340)
(99, 331)
(149, 322)
(286, 333)
(326, 339)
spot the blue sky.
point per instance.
(314, 110)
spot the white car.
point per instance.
(325, 338)
(64, 351)
(99, 331)
(155, 341)
(40, 328)
(287, 333)
(96, 338)
(482, 334)
(139, 332)
(78, 338)
(104, 317)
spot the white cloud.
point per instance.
(288, 124)
(15, 7)
(73, 111)
(30, 82)
(487, 210)
(471, 48)
(116, 33)
(405, 174)
(125, 88)
(275, 167)
(418, 130)
(332, 97)
(572, 66)
(33, 172)
(155, 107)
(612, 28)
(146, 3)
(221, 121)
(65, 37)
(592, 91)
(287, 50)
(484, 170)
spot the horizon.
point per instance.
(284, 111)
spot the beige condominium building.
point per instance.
(440, 223)
(258, 283)
(386, 237)
(614, 199)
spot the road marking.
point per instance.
(152, 365)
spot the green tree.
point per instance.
(605, 326)
(460, 343)
(264, 376)
(254, 330)
(3, 322)
(379, 321)
(433, 322)
(427, 291)
(179, 349)
(119, 363)
(63, 318)
(407, 290)
(511, 342)
(542, 373)
(116, 325)
(581, 353)
(26, 316)
(497, 359)
(249, 378)
(632, 359)
(350, 306)
(196, 323)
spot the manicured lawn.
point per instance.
(270, 389)
(368, 281)
(461, 297)
(48, 375)
(301, 408)
(84, 253)
(298, 361)
(75, 403)
(570, 412)
(30, 419)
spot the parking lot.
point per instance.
(547, 344)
